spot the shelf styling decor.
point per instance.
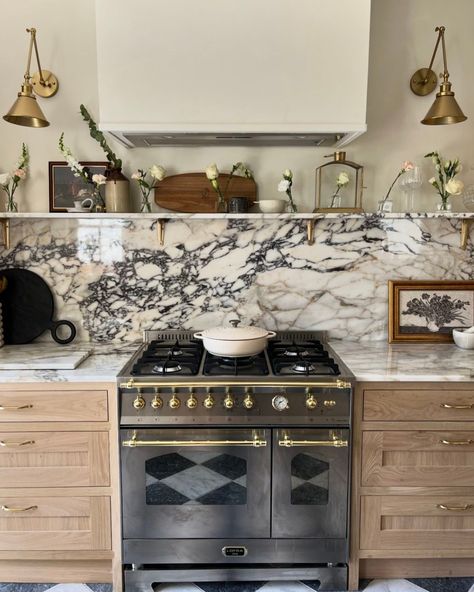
(284, 186)
(212, 173)
(444, 182)
(10, 181)
(348, 177)
(157, 173)
(117, 186)
(428, 311)
(386, 205)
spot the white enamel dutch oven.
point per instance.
(235, 342)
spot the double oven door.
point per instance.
(240, 483)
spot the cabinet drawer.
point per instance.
(54, 523)
(73, 405)
(417, 522)
(418, 458)
(418, 405)
(54, 459)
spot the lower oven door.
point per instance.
(187, 483)
(310, 483)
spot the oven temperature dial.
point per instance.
(280, 403)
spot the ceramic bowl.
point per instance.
(272, 206)
(463, 339)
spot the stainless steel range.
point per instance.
(235, 468)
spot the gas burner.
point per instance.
(303, 367)
(244, 362)
(167, 367)
(175, 351)
(293, 352)
(228, 366)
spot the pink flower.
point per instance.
(136, 176)
(20, 173)
(407, 166)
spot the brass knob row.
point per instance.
(192, 402)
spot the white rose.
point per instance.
(283, 185)
(136, 176)
(5, 179)
(288, 174)
(454, 187)
(342, 179)
(98, 179)
(212, 172)
(157, 172)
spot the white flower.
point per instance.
(98, 179)
(157, 172)
(288, 174)
(20, 173)
(5, 179)
(432, 180)
(447, 164)
(136, 176)
(454, 187)
(407, 166)
(283, 185)
(212, 172)
(342, 179)
(458, 168)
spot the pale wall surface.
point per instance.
(402, 40)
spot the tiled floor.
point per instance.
(434, 585)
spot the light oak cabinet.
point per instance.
(59, 501)
(413, 480)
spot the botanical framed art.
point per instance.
(428, 311)
(64, 187)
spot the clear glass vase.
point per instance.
(385, 206)
(443, 206)
(145, 207)
(12, 206)
(98, 202)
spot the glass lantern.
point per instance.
(339, 185)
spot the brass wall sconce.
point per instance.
(25, 110)
(445, 108)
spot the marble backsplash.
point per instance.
(113, 279)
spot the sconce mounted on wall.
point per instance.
(25, 110)
(445, 108)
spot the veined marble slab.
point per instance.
(42, 357)
(379, 361)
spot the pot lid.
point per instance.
(235, 333)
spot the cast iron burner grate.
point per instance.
(166, 357)
(247, 366)
(306, 358)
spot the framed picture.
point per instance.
(428, 311)
(64, 187)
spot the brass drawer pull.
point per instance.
(335, 443)
(461, 406)
(14, 407)
(455, 508)
(457, 442)
(7, 509)
(12, 444)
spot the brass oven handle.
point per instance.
(11, 444)
(462, 406)
(335, 443)
(7, 509)
(456, 442)
(14, 407)
(134, 442)
(455, 508)
(337, 384)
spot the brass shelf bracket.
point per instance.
(465, 227)
(310, 224)
(5, 223)
(161, 230)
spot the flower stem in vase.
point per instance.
(145, 206)
(12, 206)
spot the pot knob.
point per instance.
(192, 402)
(174, 403)
(234, 322)
(157, 402)
(229, 401)
(248, 401)
(139, 402)
(209, 402)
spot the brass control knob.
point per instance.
(229, 401)
(157, 402)
(192, 402)
(139, 402)
(174, 402)
(329, 403)
(248, 401)
(311, 402)
(209, 402)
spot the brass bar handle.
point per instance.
(132, 384)
(134, 443)
(461, 406)
(289, 443)
(455, 508)
(456, 442)
(7, 509)
(12, 444)
(15, 407)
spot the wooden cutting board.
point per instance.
(193, 193)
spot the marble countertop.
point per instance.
(380, 361)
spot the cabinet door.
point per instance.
(421, 458)
(54, 523)
(54, 459)
(417, 522)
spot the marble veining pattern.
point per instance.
(113, 279)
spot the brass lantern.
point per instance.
(339, 185)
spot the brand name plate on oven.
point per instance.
(234, 551)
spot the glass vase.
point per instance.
(12, 206)
(221, 205)
(99, 203)
(443, 206)
(385, 206)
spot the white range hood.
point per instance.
(221, 72)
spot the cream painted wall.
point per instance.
(402, 40)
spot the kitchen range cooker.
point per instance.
(235, 469)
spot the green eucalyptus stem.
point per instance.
(95, 133)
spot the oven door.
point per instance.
(310, 483)
(195, 483)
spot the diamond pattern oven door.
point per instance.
(206, 483)
(310, 483)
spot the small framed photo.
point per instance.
(428, 311)
(65, 188)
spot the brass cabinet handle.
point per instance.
(461, 406)
(7, 509)
(12, 444)
(135, 443)
(289, 443)
(456, 442)
(14, 407)
(455, 508)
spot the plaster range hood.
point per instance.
(279, 73)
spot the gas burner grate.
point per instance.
(164, 357)
(306, 358)
(227, 366)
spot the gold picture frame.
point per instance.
(432, 309)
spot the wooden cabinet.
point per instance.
(59, 483)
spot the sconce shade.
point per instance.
(26, 111)
(445, 109)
